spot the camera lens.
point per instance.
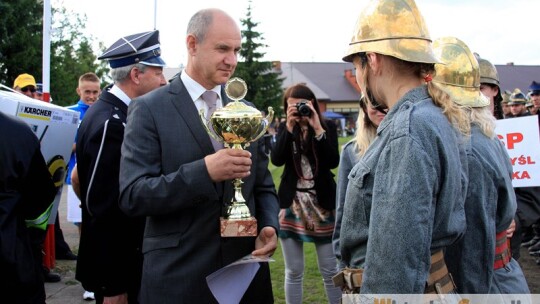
(303, 109)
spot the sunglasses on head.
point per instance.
(28, 88)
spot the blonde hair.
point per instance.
(365, 133)
(453, 112)
(483, 118)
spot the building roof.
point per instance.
(326, 79)
(517, 76)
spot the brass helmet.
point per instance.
(459, 76)
(394, 28)
(488, 72)
(517, 97)
(506, 96)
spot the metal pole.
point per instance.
(155, 14)
(46, 50)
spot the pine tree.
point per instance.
(264, 85)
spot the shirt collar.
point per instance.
(194, 89)
(116, 91)
(82, 104)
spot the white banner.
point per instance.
(521, 137)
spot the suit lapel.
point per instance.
(185, 106)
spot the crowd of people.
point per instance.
(423, 202)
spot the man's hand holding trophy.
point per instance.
(237, 125)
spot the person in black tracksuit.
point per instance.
(27, 192)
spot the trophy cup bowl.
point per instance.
(237, 125)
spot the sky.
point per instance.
(501, 31)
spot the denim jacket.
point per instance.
(404, 198)
(348, 158)
(489, 207)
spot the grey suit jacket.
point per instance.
(163, 176)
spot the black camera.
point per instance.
(303, 109)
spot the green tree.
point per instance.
(264, 85)
(71, 56)
(20, 39)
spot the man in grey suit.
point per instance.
(170, 173)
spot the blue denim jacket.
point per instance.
(404, 198)
(348, 158)
(489, 208)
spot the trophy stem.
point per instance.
(238, 208)
(238, 222)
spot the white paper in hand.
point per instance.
(229, 283)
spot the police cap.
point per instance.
(535, 88)
(137, 48)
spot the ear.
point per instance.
(375, 62)
(134, 75)
(191, 43)
(78, 91)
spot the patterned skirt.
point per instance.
(305, 220)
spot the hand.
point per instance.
(292, 117)
(266, 242)
(119, 299)
(314, 120)
(75, 184)
(511, 229)
(227, 164)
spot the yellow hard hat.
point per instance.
(460, 75)
(394, 28)
(488, 72)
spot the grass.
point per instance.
(313, 285)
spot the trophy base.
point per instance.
(238, 228)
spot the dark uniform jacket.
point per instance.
(26, 192)
(110, 258)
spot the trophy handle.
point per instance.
(267, 121)
(202, 116)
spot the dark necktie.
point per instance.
(210, 98)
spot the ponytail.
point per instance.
(454, 113)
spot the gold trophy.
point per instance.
(237, 125)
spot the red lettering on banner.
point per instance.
(512, 139)
(522, 160)
(521, 175)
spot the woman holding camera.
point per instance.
(307, 145)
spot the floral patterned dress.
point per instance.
(305, 220)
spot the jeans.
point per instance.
(293, 254)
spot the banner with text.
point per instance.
(521, 137)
